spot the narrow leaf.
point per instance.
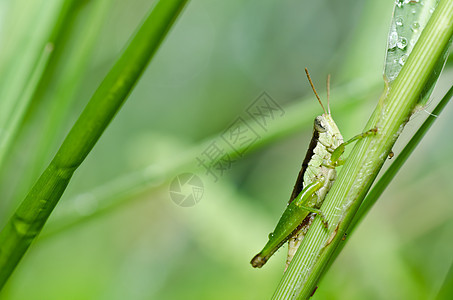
(30, 217)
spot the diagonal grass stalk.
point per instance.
(391, 172)
(30, 217)
(402, 157)
(367, 157)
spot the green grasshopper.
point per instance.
(314, 181)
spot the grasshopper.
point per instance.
(314, 181)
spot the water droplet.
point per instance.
(271, 235)
(414, 11)
(415, 26)
(399, 3)
(431, 10)
(399, 21)
(393, 39)
(402, 60)
(402, 43)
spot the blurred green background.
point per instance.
(219, 57)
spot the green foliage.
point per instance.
(391, 114)
(116, 233)
(28, 220)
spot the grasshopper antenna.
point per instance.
(314, 90)
(328, 93)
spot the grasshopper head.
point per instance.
(320, 124)
(329, 134)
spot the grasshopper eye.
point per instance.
(318, 125)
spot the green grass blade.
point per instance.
(30, 217)
(367, 157)
(14, 120)
(23, 70)
(391, 172)
(401, 158)
(408, 22)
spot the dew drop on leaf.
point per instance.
(402, 60)
(415, 26)
(402, 43)
(399, 3)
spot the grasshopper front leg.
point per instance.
(289, 222)
(336, 155)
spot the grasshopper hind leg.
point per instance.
(295, 241)
(258, 261)
(289, 223)
(317, 212)
(301, 202)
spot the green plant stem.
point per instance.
(402, 157)
(391, 172)
(30, 217)
(367, 157)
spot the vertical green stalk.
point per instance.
(367, 157)
(30, 217)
